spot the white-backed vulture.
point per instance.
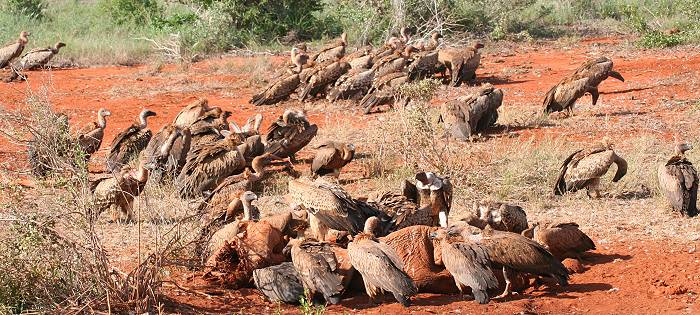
(219, 202)
(167, 165)
(290, 133)
(208, 165)
(426, 205)
(584, 80)
(283, 86)
(331, 156)
(90, 137)
(461, 63)
(380, 266)
(39, 57)
(190, 113)
(472, 114)
(332, 207)
(395, 62)
(468, 263)
(318, 269)
(422, 65)
(14, 50)
(516, 253)
(383, 91)
(120, 189)
(129, 143)
(322, 79)
(678, 181)
(433, 42)
(584, 168)
(352, 85)
(498, 215)
(332, 51)
(422, 258)
(279, 283)
(562, 239)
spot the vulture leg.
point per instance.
(507, 274)
(593, 188)
(594, 94)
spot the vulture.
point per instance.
(280, 88)
(468, 262)
(320, 80)
(433, 42)
(298, 58)
(678, 180)
(332, 51)
(277, 91)
(423, 65)
(461, 63)
(207, 128)
(584, 168)
(14, 50)
(383, 91)
(417, 206)
(360, 59)
(167, 165)
(499, 216)
(584, 80)
(208, 165)
(39, 57)
(279, 283)
(188, 115)
(90, 137)
(562, 239)
(516, 253)
(352, 85)
(129, 143)
(395, 62)
(290, 133)
(422, 258)
(219, 202)
(120, 189)
(392, 45)
(472, 114)
(331, 156)
(380, 266)
(318, 268)
(331, 207)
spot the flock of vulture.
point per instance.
(36, 58)
(329, 243)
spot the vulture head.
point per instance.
(23, 37)
(394, 42)
(405, 34)
(143, 117)
(59, 45)
(478, 45)
(681, 148)
(435, 36)
(103, 112)
(344, 38)
(371, 225)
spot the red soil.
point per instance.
(645, 277)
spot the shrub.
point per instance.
(31, 8)
(134, 12)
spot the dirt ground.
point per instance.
(631, 272)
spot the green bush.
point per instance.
(656, 39)
(136, 12)
(31, 8)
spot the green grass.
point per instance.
(91, 37)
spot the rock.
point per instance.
(573, 266)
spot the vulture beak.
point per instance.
(433, 235)
(287, 250)
(616, 75)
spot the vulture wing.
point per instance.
(469, 264)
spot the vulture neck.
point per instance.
(142, 174)
(259, 169)
(250, 213)
(348, 154)
(143, 120)
(101, 120)
(23, 40)
(680, 152)
(165, 149)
